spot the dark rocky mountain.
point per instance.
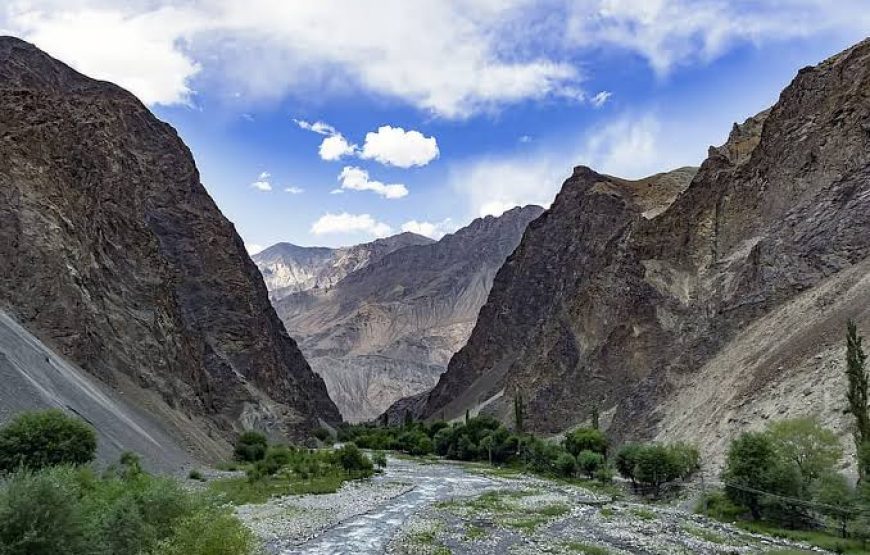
(116, 257)
(289, 268)
(697, 316)
(388, 330)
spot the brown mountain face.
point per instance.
(388, 330)
(289, 268)
(697, 316)
(114, 254)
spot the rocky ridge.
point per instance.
(701, 317)
(388, 330)
(289, 268)
(116, 257)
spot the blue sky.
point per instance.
(434, 112)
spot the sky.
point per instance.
(332, 123)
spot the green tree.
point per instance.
(586, 439)
(353, 461)
(518, 413)
(379, 459)
(36, 440)
(752, 466)
(566, 464)
(838, 498)
(589, 462)
(805, 443)
(251, 446)
(857, 392)
(626, 460)
(656, 465)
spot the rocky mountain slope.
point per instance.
(115, 256)
(388, 330)
(288, 268)
(696, 318)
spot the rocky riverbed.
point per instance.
(441, 508)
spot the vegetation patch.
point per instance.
(643, 514)
(704, 534)
(585, 548)
(474, 532)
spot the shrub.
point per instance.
(39, 516)
(589, 462)
(586, 439)
(210, 531)
(250, 447)
(604, 474)
(353, 461)
(195, 474)
(626, 460)
(323, 434)
(753, 464)
(566, 465)
(379, 459)
(36, 440)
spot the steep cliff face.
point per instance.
(651, 314)
(289, 268)
(388, 330)
(114, 254)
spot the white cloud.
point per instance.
(357, 179)
(435, 230)
(294, 190)
(263, 182)
(350, 223)
(335, 147)
(396, 147)
(318, 127)
(600, 98)
(452, 58)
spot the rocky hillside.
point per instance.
(116, 257)
(388, 330)
(288, 268)
(697, 316)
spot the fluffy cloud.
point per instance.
(628, 146)
(396, 147)
(350, 223)
(357, 179)
(452, 58)
(335, 147)
(263, 182)
(435, 230)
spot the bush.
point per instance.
(38, 515)
(589, 462)
(586, 439)
(195, 474)
(211, 531)
(323, 434)
(566, 465)
(626, 460)
(36, 440)
(604, 474)
(753, 464)
(250, 447)
(379, 459)
(353, 461)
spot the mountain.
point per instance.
(693, 316)
(288, 268)
(387, 330)
(115, 257)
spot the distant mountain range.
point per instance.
(387, 327)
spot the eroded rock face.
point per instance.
(388, 330)
(609, 301)
(288, 268)
(114, 254)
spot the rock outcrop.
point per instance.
(696, 318)
(116, 257)
(289, 268)
(388, 330)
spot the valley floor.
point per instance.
(421, 507)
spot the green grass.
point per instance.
(704, 534)
(554, 510)
(817, 538)
(474, 533)
(644, 514)
(241, 491)
(586, 548)
(525, 524)
(607, 512)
